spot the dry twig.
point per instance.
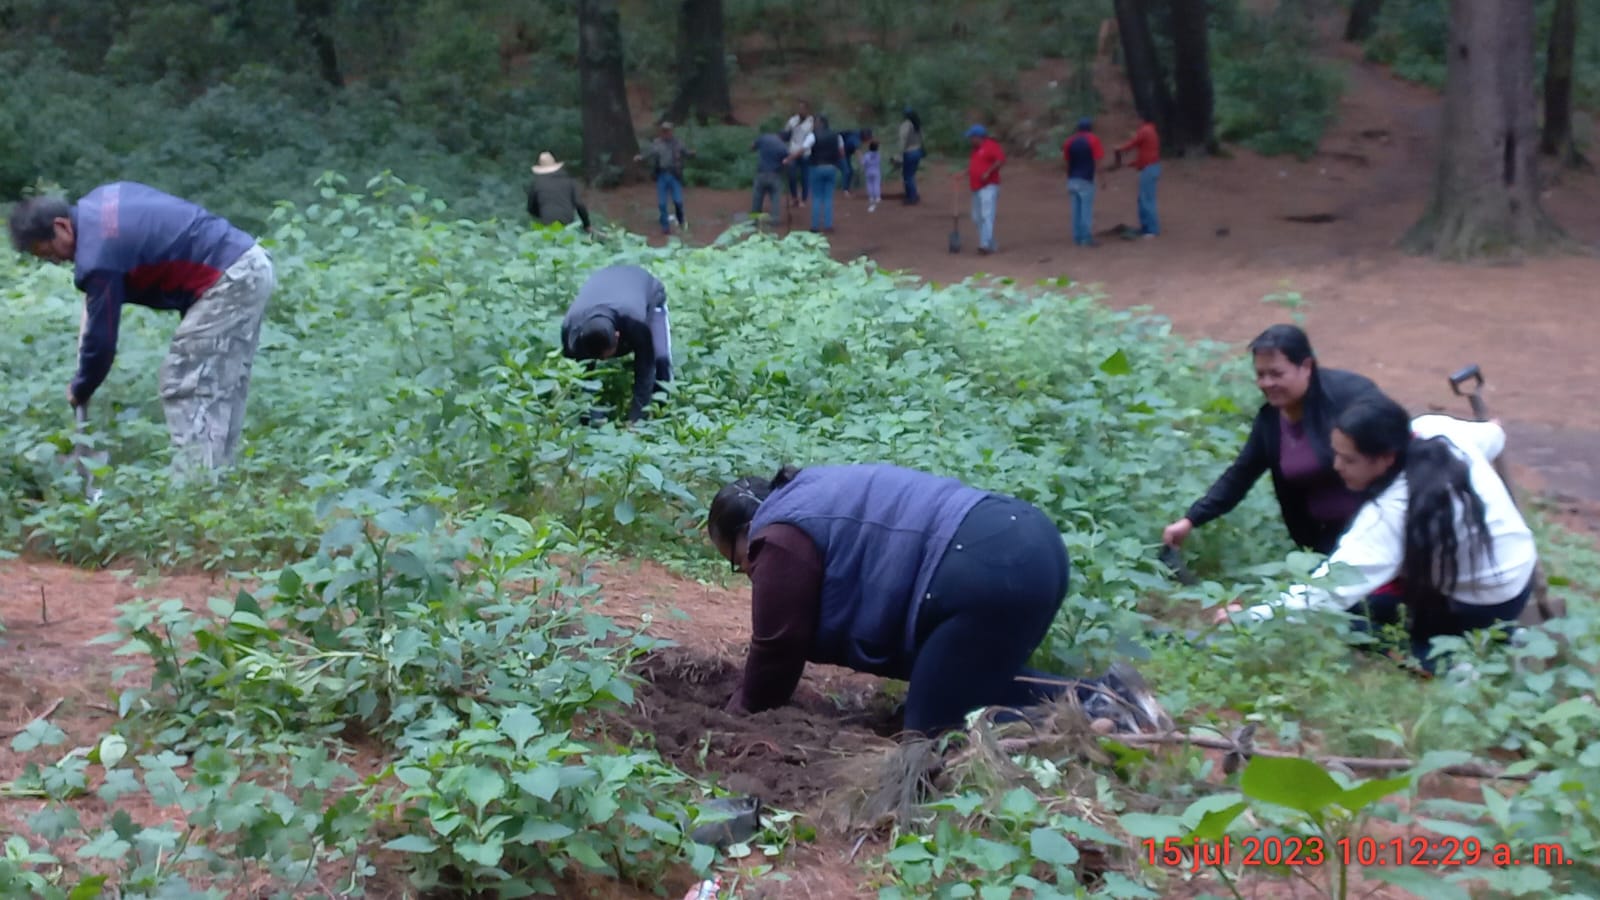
(44, 715)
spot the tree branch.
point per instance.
(1010, 746)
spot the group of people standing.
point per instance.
(813, 158)
(815, 161)
(809, 162)
(1081, 153)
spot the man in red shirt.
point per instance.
(1080, 152)
(983, 176)
(1148, 162)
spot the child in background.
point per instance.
(873, 176)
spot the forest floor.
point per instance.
(1232, 236)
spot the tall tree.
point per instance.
(702, 68)
(1556, 138)
(311, 24)
(1145, 76)
(1486, 189)
(609, 143)
(1363, 20)
(1194, 129)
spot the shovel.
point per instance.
(955, 217)
(80, 453)
(1544, 607)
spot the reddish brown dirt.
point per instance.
(789, 757)
(1226, 244)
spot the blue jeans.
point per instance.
(800, 179)
(1148, 176)
(908, 173)
(668, 185)
(984, 201)
(823, 181)
(1082, 192)
(849, 174)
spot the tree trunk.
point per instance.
(312, 25)
(1363, 20)
(1194, 132)
(1486, 188)
(1556, 138)
(609, 144)
(1145, 77)
(702, 65)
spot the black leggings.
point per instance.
(1426, 616)
(990, 603)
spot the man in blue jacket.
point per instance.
(130, 243)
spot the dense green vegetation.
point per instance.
(414, 472)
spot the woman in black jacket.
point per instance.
(1290, 439)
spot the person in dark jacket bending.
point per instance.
(907, 575)
(1291, 439)
(622, 310)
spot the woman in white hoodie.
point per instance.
(1439, 536)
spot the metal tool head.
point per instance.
(1471, 373)
(730, 820)
(1172, 558)
(82, 457)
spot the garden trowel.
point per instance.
(82, 458)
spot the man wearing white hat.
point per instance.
(553, 196)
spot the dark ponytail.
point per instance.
(1436, 480)
(735, 505)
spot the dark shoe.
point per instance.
(1122, 696)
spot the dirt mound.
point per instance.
(789, 757)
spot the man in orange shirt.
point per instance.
(983, 176)
(1148, 162)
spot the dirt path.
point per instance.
(1226, 244)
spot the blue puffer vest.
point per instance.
(882, 531)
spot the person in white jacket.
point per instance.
(1440, 535)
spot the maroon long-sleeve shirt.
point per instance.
(786, 599)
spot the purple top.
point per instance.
(1327, 499)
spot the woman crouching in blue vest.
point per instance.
(905, 575)
(1439, 536)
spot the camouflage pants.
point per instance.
(206, 377)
